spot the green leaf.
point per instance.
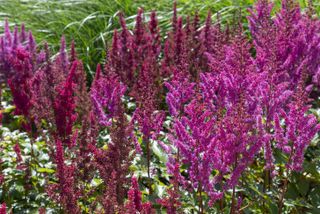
(159, 153)
(45, 170)
(303, 186)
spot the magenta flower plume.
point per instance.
(294, 129)
(181, 90)
(73, 53)
(63, 57)
(106, 97)
(134, 196)
(23, 34)
(64, 192)
(20, 82)
(7, 33)
(18, 152)
(64, 106)
(134, 203)
(3, 209)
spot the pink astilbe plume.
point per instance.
(126, 66)
(298, 128)
(286, 44)
(106, 98)
(62, 59)
(147, 114)
(180, 92)
(134, 203)
(17, 150)
(64, 192)
(113, 163)
(171, 202)
(286, 53)
(64, 106)
(20, 82)
(46, 83)
(19, 60)
(3, 209)
(81, 94)
(220, 117)
(154, 34)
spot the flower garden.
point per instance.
(207, 114)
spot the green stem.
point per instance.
(200, 199)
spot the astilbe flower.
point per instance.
(83, 101)
(64, 106)
(294, 128)
(195, 49)
(2, 177)
(83, 159)
(134, 203)
(217, 128)
(7, 50)
(64, 192)
(47, 81)
(20, 82)
(286, 44)
(19, 61)
(172, 201)
(180, 92)
(283, 58)
(146, 89)
(9, 44)
(192, 136)
(154, 34)
(175, 50)
(62, 59)
(17, 150)
(106, 94)
(3, 209)
(121, 57)
(212, 41)
(147, 114)
(20, 86)
(113, 163)
(83, 139)
(298, 41)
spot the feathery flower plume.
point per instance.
(64, 106)
(3, 209)
(64, 192)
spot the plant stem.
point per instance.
(233, 202)
(148, 165)
(221, 205)
(284, 190)
(200, 199)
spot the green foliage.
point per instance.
(23, 188)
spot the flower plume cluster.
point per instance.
(215, 100)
